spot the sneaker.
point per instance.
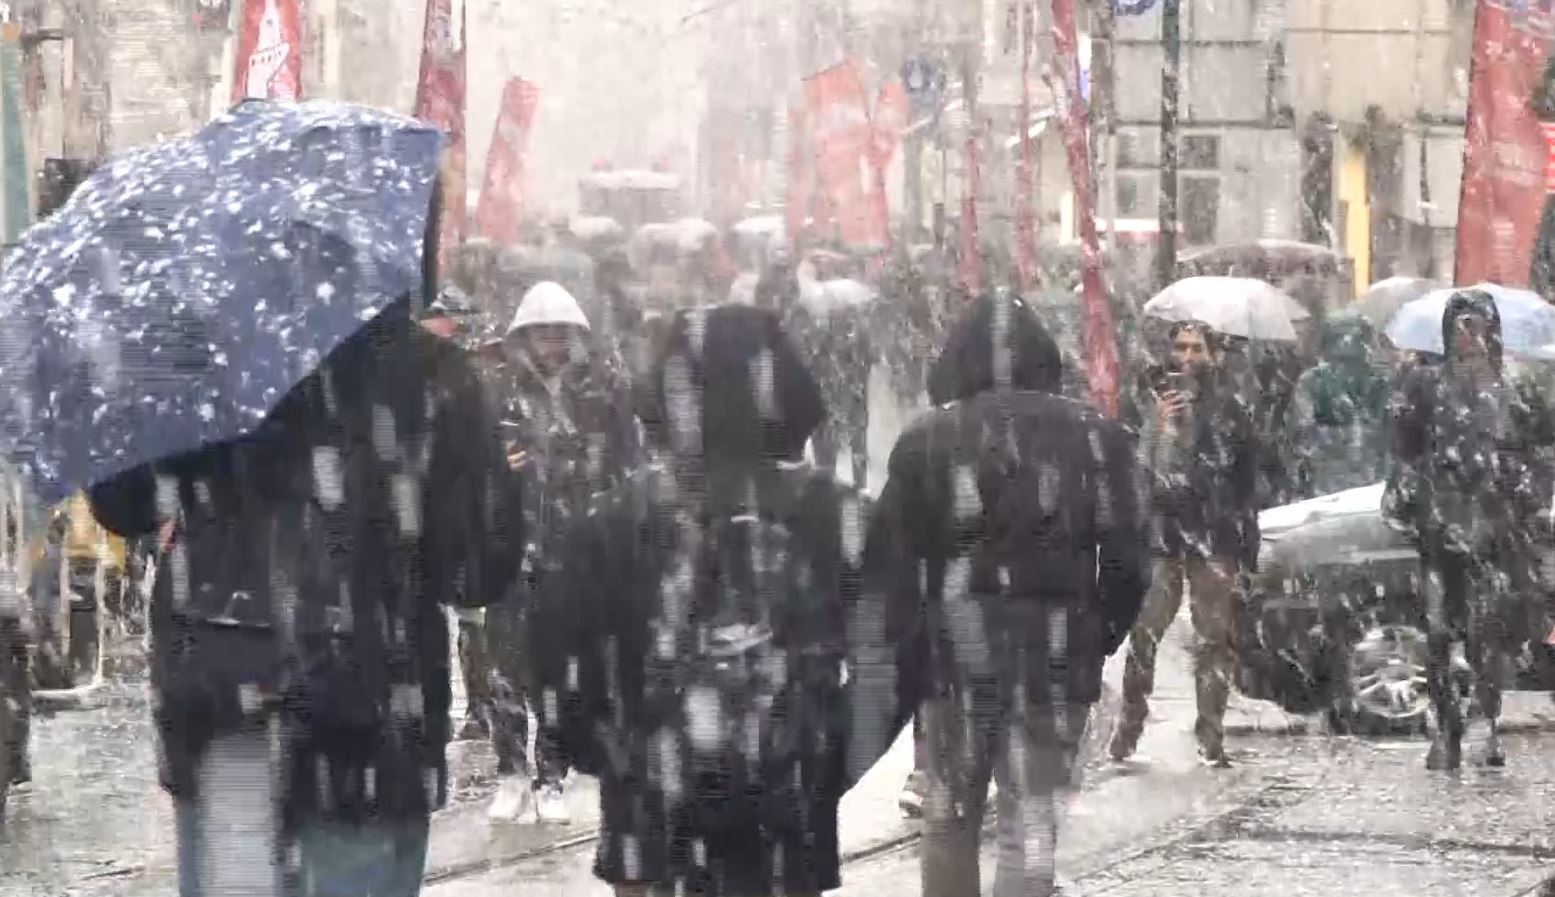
(910, 800)
(1492, 753)
(514, 800)
(551, 804)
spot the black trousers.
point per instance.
(1472, 614)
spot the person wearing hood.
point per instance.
(1337, 432)
(1012, 543)
(570, 431)
(1465, 486)
(1199, 444)
(703, 648)
(299, 639)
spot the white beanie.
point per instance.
(548, 302)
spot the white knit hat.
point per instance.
(548, 302)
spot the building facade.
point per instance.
(1239, 154)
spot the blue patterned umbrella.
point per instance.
(187, 286)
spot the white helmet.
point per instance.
(548, 302)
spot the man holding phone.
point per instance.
(1201, 449)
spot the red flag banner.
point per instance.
(501, 205)
(1504, 154)
(440, 101)
(843, 136)
(1101, 347)
(269, 52)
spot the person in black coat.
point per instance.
(1470, 486)
(1011, 540)
(696, 649)
(297, 625)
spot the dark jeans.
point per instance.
(1470, 612)
(15, 703)
(228, 838)
(508, 633)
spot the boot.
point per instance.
(1446, 750)
(1495, 753)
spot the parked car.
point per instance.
(1335, 622)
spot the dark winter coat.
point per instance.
(308, 568)
(1013, 504)
(1466, 467)
(578, 441)
(1337, 430)
(688, 792)
(1204, 477)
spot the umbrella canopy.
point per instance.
(597, 227)
(186, 287)
(1262, 259)
(1236, 306)
(823, 297)
(1387, 296)
(767, 226)
(1527, 321)
(692, 233)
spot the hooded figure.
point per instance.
(1337, 432)
(1467, 484)
(297, 637)
(695, 651)
(1012, 545)
(570, 433)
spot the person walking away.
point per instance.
(1337, 433)
(450, 317)
(1464, 436)
(300, 669)
(570, 429)
(695, 655)
(1011, 532)
(1201, 453)
(838, 348)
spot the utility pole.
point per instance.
(1171, 70)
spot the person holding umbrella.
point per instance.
(1468, 488)
(1201, 450)
(220, 338)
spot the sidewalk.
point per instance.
(1116, 806)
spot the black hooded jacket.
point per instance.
(1466, 471)
(725, 541)
(1013, 496)
(310, 566)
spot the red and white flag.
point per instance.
(501, 204)
(269, 52)
(1101, 346)
(440, 100)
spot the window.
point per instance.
(1200, 152)
(1127, 149)
(1200, 209)
(1133, 196)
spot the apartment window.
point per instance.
(1133, 196)
(1127, 148)
(1200, 152)
(1200, 199)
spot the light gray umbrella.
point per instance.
(1388, 296)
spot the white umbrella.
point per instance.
(1237, 306)
(760, 226)
(691, 233)
(822, 297)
